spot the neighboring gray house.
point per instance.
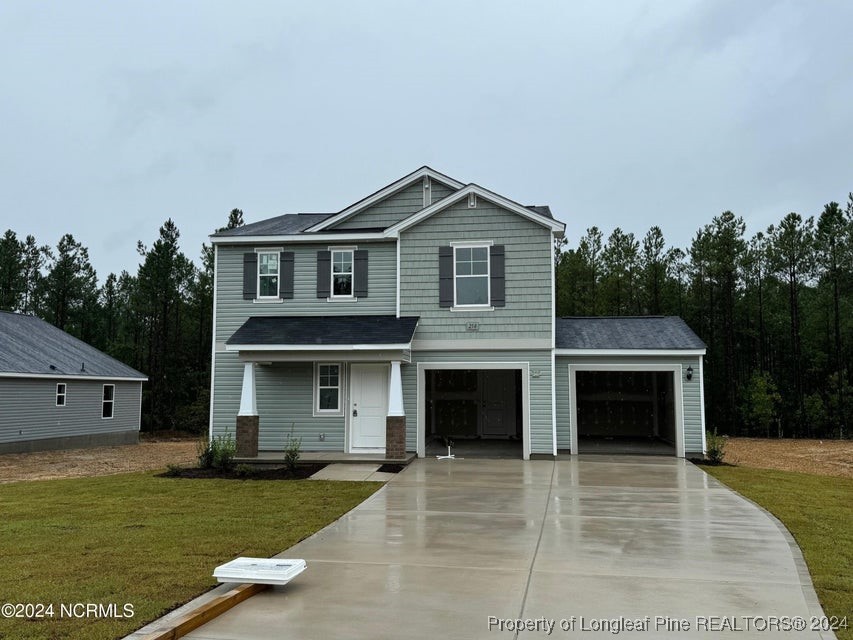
(425, 311)
(57, 392)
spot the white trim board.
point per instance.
(630, 352)
(677, 387)
(319, 238)
(64, 376)
(317, 347)
(524, 367)
(385, 192)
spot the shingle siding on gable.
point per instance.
(394, 208)
(527, 247)
(232, 310)
(30, 411)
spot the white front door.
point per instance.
(368, 405)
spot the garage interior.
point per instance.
(479, 410)
(626, 412)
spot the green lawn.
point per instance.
(818, 511)
(146, 541)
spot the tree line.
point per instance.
(158, 320)
(775, 311)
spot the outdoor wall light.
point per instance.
(689, 373)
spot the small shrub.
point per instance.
(716, 447)
(206, 453)
(244, 470)
(292, 451)
(217, 452)
(173, 470)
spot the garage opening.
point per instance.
(479, 410)
(626, 412)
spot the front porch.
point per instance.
(326, 457)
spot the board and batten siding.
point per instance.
(529, 260)
(29, 410)
(690, 394)
(539, 361)
(285, 393)
(394, 208)
(232, 310)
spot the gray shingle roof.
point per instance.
(626, 332)
(29, 345)
(279, 226)
(324, 330)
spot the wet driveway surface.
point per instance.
(467, 548)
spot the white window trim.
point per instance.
(64, 394)
(112, 403)
(351, 296)
(317, 412)
(258, 296)
(488, 275)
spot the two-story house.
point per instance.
(426, 311)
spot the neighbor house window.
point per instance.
(342, 273)
(60, 394)
(471, 275)
(268, 271)
(328, 388)
(108, 401)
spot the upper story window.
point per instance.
(60, 394)
(471, 275)
(108, 401)
(268, 272)
(342, 273)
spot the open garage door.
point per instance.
(626, 412)
(480, 410)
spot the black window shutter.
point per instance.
(445, 276)
(285, 280)
(359, 287)
(496, 275)
(250, 276)
(324, 274)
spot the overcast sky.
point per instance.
(117, 115)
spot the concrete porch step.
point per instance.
(327, 457)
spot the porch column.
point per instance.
(247, 417)
(395, 421)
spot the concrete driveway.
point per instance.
(465, 548)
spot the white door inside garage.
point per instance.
(626, 410)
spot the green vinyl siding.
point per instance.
(394, 208)
(541, 428)
(528, 247)
(285, 393)
(232, 311)
(690, 394)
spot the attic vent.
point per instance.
(472, 200)
(427, 192)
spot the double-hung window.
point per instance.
(471, 275)
(342, 273)
(108, 401)
(268, 272)
(328, 388)
(60, 394)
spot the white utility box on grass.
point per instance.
(260, 570)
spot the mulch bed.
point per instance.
(261, 473)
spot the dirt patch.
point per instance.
(820, 457)
(97, 461)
